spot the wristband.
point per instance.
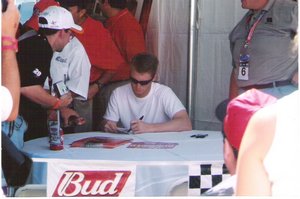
(10, 47)
(10, 39)
(100, 85)
(13, 43)
(57, 104)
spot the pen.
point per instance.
(199, 135)
(139, 119)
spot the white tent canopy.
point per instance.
(168, 37)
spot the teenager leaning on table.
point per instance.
(70, 66)
(34, 57)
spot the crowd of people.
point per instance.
(101, 74)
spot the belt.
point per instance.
(269, 85)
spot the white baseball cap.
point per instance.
(55, 17)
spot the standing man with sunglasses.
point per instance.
(144, 106)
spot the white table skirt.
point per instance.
(157, 170)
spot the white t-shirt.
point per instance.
(282, 161)
(6, 103)
(73, 65)
(160, 105)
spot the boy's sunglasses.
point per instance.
(143, 83)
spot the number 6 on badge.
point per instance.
(243, 73)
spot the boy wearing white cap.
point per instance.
(34, 57)
(70, 66)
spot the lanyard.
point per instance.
(251, 31)
(244, 61)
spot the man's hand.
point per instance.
(233, 87)
(65, 100)
(138, 126)
(105, 78)
(179, 122)
(66, 113)
(93, 90)
(110, 126)
(295, 79)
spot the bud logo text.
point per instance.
(91, 183)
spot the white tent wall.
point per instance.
(213, 68)
(168, 38)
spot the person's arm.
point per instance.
(180, 122)
(295, 78)
(109, 126)
(11, 80)
(39, 95)
(10, 72)
(104, 79)
(111, 117)
(66, 113)
(233, 88)
(229, 157)
(252, 178)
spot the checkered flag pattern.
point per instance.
(205, 176)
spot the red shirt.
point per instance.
(127, 34)
(101, 50)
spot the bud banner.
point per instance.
(87, 178)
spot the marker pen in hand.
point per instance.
(139, 119)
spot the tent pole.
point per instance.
(193, 44)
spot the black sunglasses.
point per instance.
(143, 83)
